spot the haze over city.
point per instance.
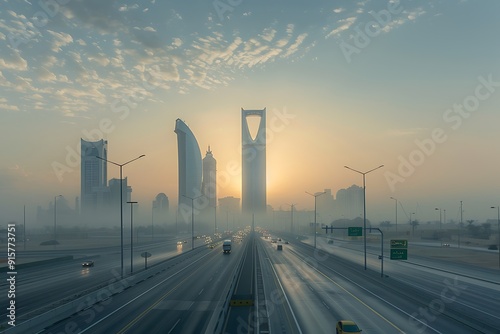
(412, 86)
(237, 166)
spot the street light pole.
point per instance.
(132, 236)
(55, 221)
(461, 223)
(291, 209)
(215, 219)
(192, 218)
(396, 213)
(440, 226)
(412, 224)
(315, 196)
(121, 201)
(498, 230)
(364, 202)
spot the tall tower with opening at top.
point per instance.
(253, 163)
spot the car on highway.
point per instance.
(88, 263)
(330, 241)
(347, 326)
(179, 242)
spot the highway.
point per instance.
(412, 299)
(44, 286)
(259, 289)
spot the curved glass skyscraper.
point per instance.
(190, 167)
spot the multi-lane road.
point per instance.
(259, 289)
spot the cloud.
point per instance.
(177, 42)
(344, 25)
(4, 106)
(45, 75)
(96, 15)
(60, 39)
(295, 46)
(99, 58)
(126, 8)
(12, 60)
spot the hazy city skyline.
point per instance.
(412, 86)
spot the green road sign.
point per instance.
(354, 231)
(399, 254)
(399, 244)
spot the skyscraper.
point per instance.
(93, 174)
(253, 163)
(189, 161)
(208, 187)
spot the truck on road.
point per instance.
(226, 246)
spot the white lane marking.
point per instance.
(286, 298)
(142, 294)
(377, 296)
(171, 329)
(201, 291)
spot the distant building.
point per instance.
(349, 203)
(253, 166)
(229, 204)
(209, 184)
(114, 193)
(93, 175)
(161, 204)
(190, 166)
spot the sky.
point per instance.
(411, 85)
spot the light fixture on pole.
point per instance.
(315, 196)
(121, 201)
(396, 213)
(55, 220)
(498, 230)
(192, 218)
(364, 202)
(132, 236)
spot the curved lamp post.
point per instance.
(121, 200)
(364, 202)
(192, 218)
(315, 196)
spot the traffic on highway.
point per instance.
(270, 282)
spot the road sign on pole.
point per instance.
(399, 244)
(399, 254)
(354, 231)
